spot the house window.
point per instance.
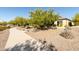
(57, 23)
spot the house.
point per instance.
(63, 22)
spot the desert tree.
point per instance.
(76, 19)
(19, 21)
(43, 18)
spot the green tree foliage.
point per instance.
(76, 19)
(43, 18)
(4, 23)
(19, 21)
(12, 22)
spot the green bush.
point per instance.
(76, 19)
(19, 21)
(43, 19)
(3, 28)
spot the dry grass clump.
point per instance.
(67, 34)
(30, 45)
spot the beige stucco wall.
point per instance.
(65, 23)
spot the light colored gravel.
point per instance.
(58, 41)
(3, 38)
(16, 36)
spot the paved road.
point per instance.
(16, 36)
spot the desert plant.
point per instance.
(43, 19)
(19, 21)
(67, 33)
(76, 19)
(3, 28)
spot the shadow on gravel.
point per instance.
(31, 45)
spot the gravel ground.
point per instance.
(61, 43)
(15, 37)
(3, 38)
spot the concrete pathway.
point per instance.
(16, 36)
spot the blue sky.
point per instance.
(9, 13)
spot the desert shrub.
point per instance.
(66, 33)
(4, 23)
(19, 21)
(76, 19)
(3, 28)
(42, 19)
(31, 45)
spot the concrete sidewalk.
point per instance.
(16, 36)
